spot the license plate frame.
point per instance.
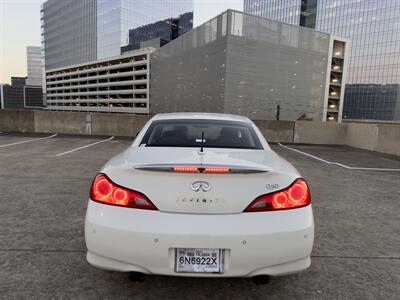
(199, 260)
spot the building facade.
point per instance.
(11, 96)
(68, 32)
(18, 81)
(79, 31)
(119, 84)
(373, 29)
(244, 64)
(25, 92)
(17, 96)
(34, 66)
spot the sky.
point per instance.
(20, 27)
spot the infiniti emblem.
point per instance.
(200, 185)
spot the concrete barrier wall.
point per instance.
(361, 135)
(389, 139)
(40, 121)
(61, 122)
(276, 131)
(383, 138)
(117, 124)
(307, 132)
(376, 137)
(17, 120)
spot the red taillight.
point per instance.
(295, 196)
(216, 170)
(105, 191)
(183, 169)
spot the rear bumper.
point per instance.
(262, 243)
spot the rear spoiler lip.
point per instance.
(233, 169)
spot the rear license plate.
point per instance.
(199, 260)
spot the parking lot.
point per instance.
(44, 184)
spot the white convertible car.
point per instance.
(199, 195)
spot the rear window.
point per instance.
(188, 133)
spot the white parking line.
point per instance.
(83, 147)
(28, 141)
(338, 164)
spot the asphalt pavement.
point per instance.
(44, 184)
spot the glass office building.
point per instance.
(79, 31)
(287, 11)
(115, 19)
(68, 32)
(373, 29)
(34, 66)
(159, 33)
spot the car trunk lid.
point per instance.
(152, 171)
